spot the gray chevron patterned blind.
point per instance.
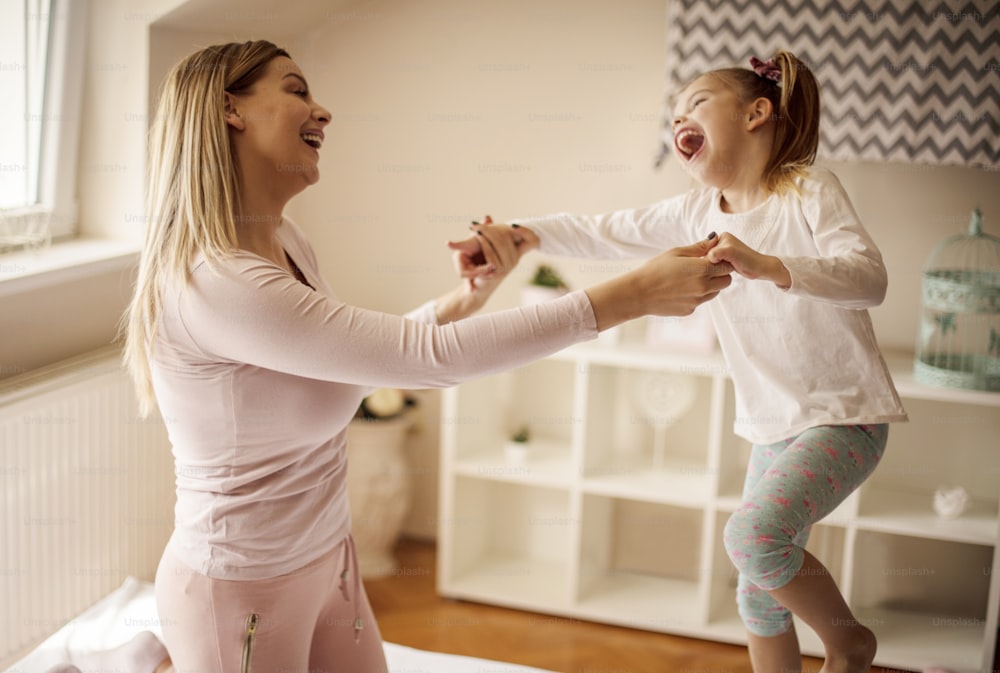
(901, 80)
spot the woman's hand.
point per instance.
(674, 283)
(749, 263)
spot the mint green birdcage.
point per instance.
(959, 341)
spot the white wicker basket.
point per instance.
(26, 228)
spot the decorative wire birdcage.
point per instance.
(959, 341)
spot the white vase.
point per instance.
(378, 487)
(516, 453)
(536, 294)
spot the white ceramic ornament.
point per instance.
(949, 503)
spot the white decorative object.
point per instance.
(516, 453)
(378, 486)
(611, 336)
(24, 228)
(949, 503)
(959, 335)
(385, 402)
(662, 398)
(536, 294)
(694, 334)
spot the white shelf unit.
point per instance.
(587, 528)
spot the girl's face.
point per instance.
(710, 131)
(278, 127)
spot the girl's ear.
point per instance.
(232, 115)
(759, 112)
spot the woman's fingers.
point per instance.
(681, 280)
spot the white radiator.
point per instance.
(87, 494)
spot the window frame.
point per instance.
(60, 126)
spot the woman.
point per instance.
(259, 368)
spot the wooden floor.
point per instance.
(410, 612)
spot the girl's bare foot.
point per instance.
(858, 659)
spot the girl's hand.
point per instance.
(483, 260)
(493, 249)
(748, 262)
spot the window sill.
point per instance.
(64, 262)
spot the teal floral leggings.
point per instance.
(790, 485)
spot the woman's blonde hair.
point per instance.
(192, 186)
(796, 115)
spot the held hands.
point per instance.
(493, 249)
(483, 261)
(749, 263)
(674, 283)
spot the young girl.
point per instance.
(813, 394)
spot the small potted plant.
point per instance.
(516, 449)
(545, 284)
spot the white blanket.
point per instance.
(131, 608)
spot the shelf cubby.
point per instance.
(912, 513)
(926, 599)
(514, 541)
(959, 446)
(921, 575)
(630, 451)
(636, 559)
(492, 410)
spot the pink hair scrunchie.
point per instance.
(766, 69)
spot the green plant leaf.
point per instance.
(546, 276)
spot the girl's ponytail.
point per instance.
(796, 133)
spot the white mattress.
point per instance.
(131, 608)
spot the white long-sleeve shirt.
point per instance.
(257, 376)
(798, 358)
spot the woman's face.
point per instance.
(277, 128)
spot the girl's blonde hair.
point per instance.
(796, 115)
(192, 186)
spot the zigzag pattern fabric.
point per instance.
(901, 80)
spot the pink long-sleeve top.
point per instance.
(257, 376)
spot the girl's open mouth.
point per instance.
(688, 142)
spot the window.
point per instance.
(41, 72)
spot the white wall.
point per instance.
(445, 110)
(115, 118)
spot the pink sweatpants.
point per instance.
(302, 622)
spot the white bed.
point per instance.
(131, 608)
